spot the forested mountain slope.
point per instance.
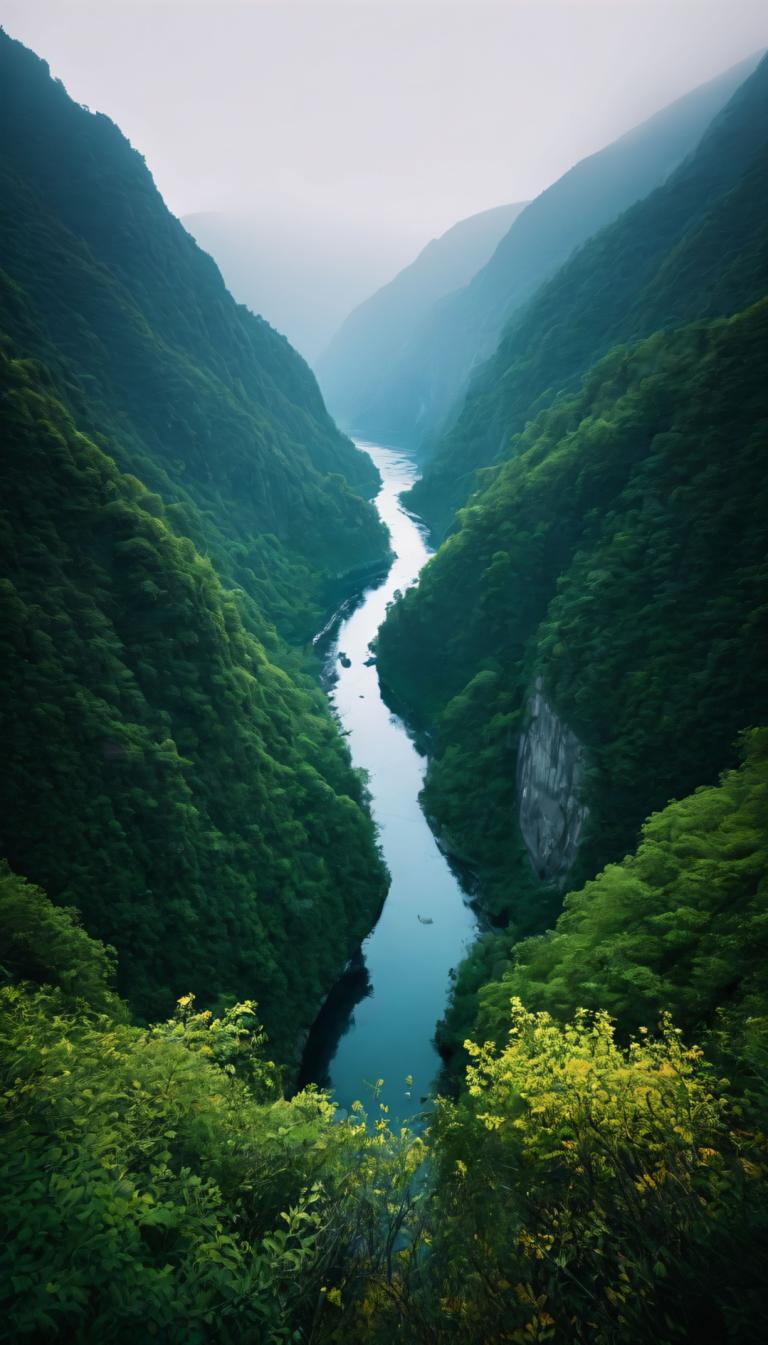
(186, 790)
(427, 384)
(696, 247)
(582, 1187)
(361, 355)
(203, 401)
(160, 774)
(619, 561)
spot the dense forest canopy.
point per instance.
(171, 769)
(192, 800)
(202, 400)
(694, 248)
(411, 399)
(620, 556)
(187, 857)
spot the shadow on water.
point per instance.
(334, 1020)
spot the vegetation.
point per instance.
(180, 816)
(161, 774)
(172, 487)
(678, 926)
(694, 248)
(415, 398)
(620, 555)
(198, 398)
(580, 1190)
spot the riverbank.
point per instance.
(379, 1021)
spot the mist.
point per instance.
(315, 147)
(398, 118)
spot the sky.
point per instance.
(338, 137)
(399, 116)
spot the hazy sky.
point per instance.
(402, 116)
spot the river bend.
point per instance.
(426, 924)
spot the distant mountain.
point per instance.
(172, 489)
(587, 643)
(366, 348)
(418, 396)
(303, 272)
(210, 407)
(696, 247)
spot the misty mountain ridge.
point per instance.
(424, 390)
(210, 406)
(371, 338)
(302, 272)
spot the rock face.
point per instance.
(550, 768)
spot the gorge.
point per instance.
(384, 894)
(426, 924)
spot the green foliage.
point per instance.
(45, 944)
(694, 248)
(194, 802)
(620, 555)
(155, 1181)
(588, 1192)
(201, 400)
(150, 1188)
(680, 925)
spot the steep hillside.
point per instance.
(171, 487)
(588, 643)
(428, 383)
(160, 773)
(303, 270)
(696, 247)
(361, 356)
(204, 402)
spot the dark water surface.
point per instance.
(403, 976)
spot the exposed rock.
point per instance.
(550, 769)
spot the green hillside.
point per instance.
(202, 400)
(161, 774)
(620, 556)
(413, 399)
(696, 247)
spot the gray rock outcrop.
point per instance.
(550, 770)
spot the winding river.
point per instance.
(380, 1020)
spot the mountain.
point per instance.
(366, 347)
(302, 270)
(207, 404)
(584, 645)
(696, 247)
(425, 388)
(171, 771)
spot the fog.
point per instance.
(391, 120)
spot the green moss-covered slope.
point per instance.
(620, 555)
(175, 499)
(160, 773)
(694, 248)
(202, 400)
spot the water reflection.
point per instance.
(381, 1024)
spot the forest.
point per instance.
(188, 856)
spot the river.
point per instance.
(380, 1020)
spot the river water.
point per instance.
(380, 1020)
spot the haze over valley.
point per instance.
(384, 701)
